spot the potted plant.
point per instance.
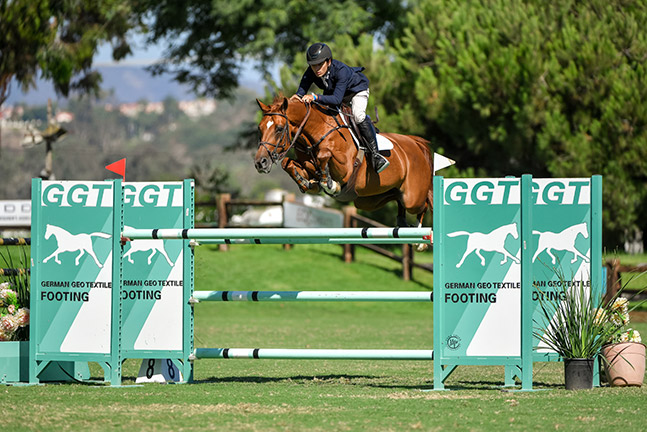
(624, 355)
(567, 324)
(14, 316)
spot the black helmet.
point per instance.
(318, 53)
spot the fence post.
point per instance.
(287, 198)
(349, 250)
(613, 276)
(407, 261)
(223, 199)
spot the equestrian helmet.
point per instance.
(318, 53)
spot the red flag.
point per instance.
(118, 167)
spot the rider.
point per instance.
(341, 83)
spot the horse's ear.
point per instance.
(262, 106)
(284, 106)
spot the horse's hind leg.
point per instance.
(96, 260)
(127, 255)
(401, 219)
(150, 257)
(78, 258)
(165, 255)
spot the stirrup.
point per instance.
(384, 165)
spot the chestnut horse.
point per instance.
(327, 158)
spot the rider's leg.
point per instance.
(358, 105)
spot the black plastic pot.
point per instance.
(578, 374)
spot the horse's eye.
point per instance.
(279, 129)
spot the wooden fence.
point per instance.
(614, 272)
(354, 220)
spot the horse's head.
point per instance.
(275, 135)
(581, 228)
(514, 231)
(48, 232)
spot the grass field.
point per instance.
(293, 395)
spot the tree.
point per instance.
(507, 88)
(208, 40)
(59, 39)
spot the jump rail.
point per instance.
(287, 296)
(311, 354)
(287, 235)
(15, 241)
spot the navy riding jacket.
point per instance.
(340, 80)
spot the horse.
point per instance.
(494, 241)
(564, 241)
(66, 242)
(327, 159)
(144, 245)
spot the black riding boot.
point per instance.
(368, 132)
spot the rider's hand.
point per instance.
(295, 97)
(309, 98)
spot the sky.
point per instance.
(142, 56)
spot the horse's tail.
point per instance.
(536, 232)
(100, 234)
(458, 233)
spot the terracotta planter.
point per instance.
(625, 363)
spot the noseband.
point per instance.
(286, 137)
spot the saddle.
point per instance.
(347, 115)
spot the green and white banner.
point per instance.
(74, 308)
(90, 305)
(480, 232)
(153, 279)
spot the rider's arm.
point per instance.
(342, 79)
(306, 82)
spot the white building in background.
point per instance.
(198, 108)
(273, 216)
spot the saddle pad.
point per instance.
(383, 143)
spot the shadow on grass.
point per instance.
(498, 385)
(343, 379)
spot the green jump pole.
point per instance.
(335, 241)
(341, 296)
(285, 235)
(312, 354)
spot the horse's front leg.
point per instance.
(327, 183)
(301, 175)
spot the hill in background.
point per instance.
(128, 84)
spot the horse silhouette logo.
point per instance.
(493, 241)
(154, 245)
(66, 242)
(561, 241)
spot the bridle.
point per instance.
(285, 142)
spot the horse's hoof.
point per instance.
(422, 247)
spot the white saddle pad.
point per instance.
(383, 143)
